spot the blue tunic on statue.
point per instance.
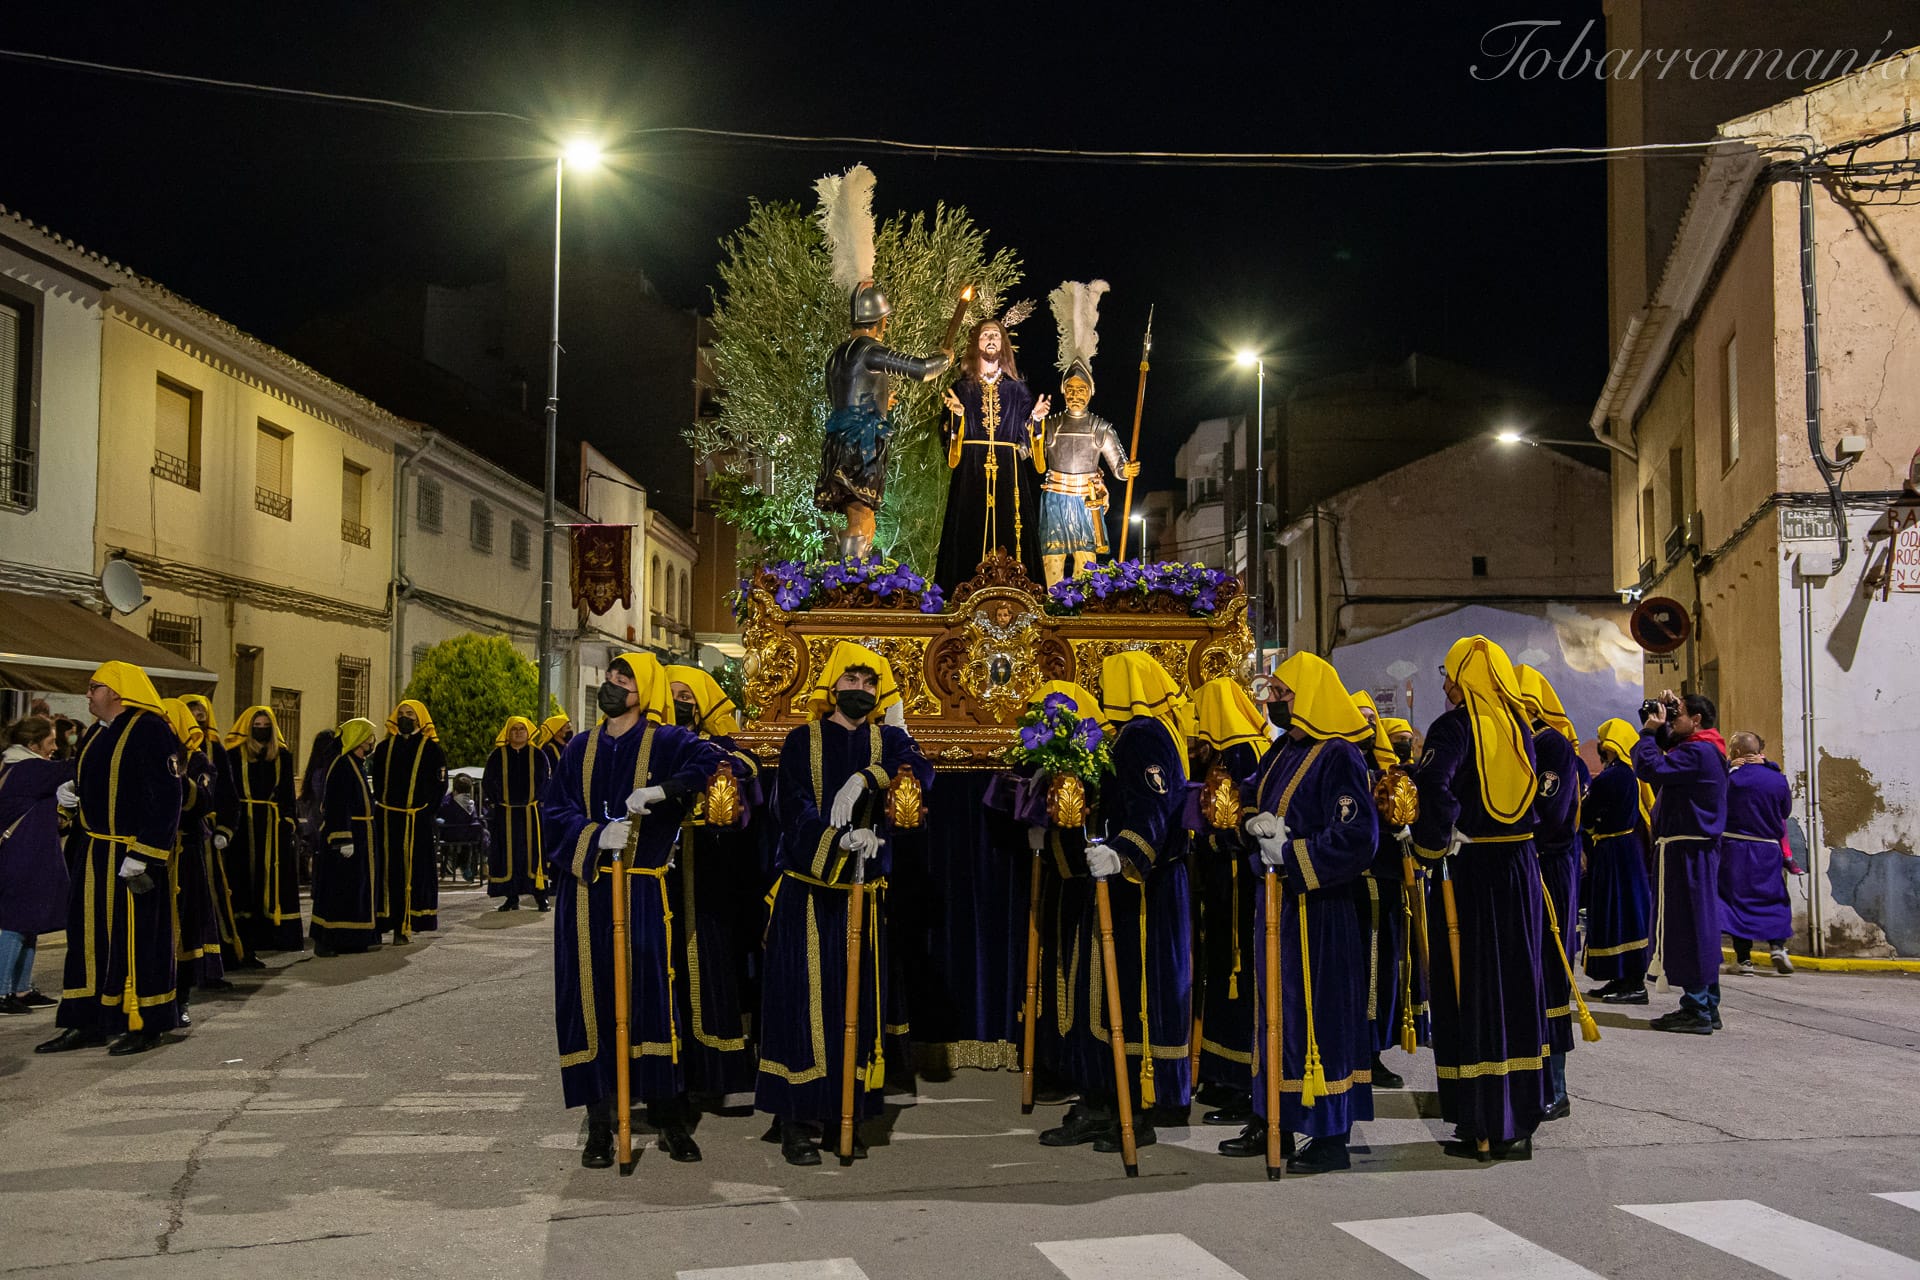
(1619, 904)
(1322, 790)
(589, 790)
(1689, 813)
(1152, 931)
(1753, 883)
(1490, 1036)
(804, 979)
(1229, 938)
(1556, 842)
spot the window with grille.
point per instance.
(480, 527)
(427, 501)
(175, 631)
(520, 542)
(353, 497)
(273, 471)
(286, 712)
(17, 473)
(176, 433)
(356, 680)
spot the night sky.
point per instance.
(268, 211)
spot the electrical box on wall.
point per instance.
(1816, 564)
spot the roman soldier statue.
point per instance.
(861, 370)
(1073, 498)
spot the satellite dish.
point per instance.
(120, 584)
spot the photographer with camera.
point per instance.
(1683, 758)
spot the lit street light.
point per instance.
(1507, 435)
(582, 154)
(1140, 518)
(1256, 605)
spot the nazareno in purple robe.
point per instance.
(1689, 781)
(1490, 1037)
(1619, 904)
(1324, 793)
(1556, 842)
(1229, 937)
(1753, 884)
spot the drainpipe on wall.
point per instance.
(398, 648)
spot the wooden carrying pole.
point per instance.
(850, 1036)
(1116, 1031)
(1196, 974)
(1271, 1062)
(1133, 447)
(622, 1016)
(1030, 1012)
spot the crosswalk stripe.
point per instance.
(1135, 1258)
(1777, 1242)
(1462, 1246)
(1911, 1199)
(824, 1269)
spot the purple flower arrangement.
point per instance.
(1134, 586)
(1055, 739)
(843, 584)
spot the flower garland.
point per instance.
(1135, 586)
(841, 584)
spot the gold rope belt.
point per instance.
(271, 906)
(404, 927)
(129, 994)
(1735, 835)
(1610, 835)
(1517, 838)
(536, 856)
(876, 1073)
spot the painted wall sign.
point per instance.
(1906, 547)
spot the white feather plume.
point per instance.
(846, 216)
(1076, 310)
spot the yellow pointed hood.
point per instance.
(238, 734)
(711, 703)
(1616, 741)
(1085, 705)
(1377, 745)
(848, 654)
(354, 733)
(1227, 715)
(132, 684)
(1543, 703)
(185, 727)
(549, 727)
(500, 739)
(1322, 707)
(1490, 693)
(651, 694)
(421, 717)
(1132, 684)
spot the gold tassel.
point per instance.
(876, 1073)
(1146, 1031)
(131, 995)
(1589, 1029)
(1409, 1038)
(1313, 1078)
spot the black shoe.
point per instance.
(1558, 1111)
(1253, 1142)
(1108, 1143)
(508, 904)
(34, 1000)
(12, 1004)
(253, 962)
(1684, 1021)
(1079, 1126)
(540, 901)
(1385, 1077)
(134, 1042)
(69, 1040)
(598, 1153)
(1218, 1095)
(1717, 1024)
(1237, 1113)
(1626, 995)
(1321, 1155)
(215, 984)
(324, 951)
(186, 1017)
(1603, 992)
(1517, 1149)
(1052, 1095)
(1467, 1149)
(678, 1143)
(796, 1146)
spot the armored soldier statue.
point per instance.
(861, 370)
(1073, 499)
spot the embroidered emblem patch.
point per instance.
(1348, 806)
(1157, 779)
(1549, 783)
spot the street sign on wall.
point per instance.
(1660, 625)
(1906, 547)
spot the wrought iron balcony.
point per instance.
(178, 470)
(278, 505)
(358, 534)
(17, 477)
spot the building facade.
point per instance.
(1757, 458)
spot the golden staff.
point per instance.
(1133, 449)
(850, 1038)
(622, 1030)
(1116, 1031)
(1031, 1012)
(1272, 1064)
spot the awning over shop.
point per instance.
(50, 645)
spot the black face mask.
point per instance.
(1281, 714)
(855, 704)
(612, 700)
(685, 714)
(408, 726)
(1404, 750)
(262, 734)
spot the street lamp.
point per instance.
(1507, 435)
(582, 154)
(1140, 518)
(1256, 566)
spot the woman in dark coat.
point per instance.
(33, 870)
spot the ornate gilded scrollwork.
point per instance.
(772, 657)
(1001, 672)
(1230, 650)
(1089, 654)
(905, 654)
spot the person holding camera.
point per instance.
(1753, 881)
(1683, 758)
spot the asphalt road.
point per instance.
(399, 1114)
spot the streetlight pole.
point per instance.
(1256, 513)
(585, 155)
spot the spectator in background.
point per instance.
(1683, 758)
(66, 738)
(462, 824)
(1754, 858)
(33, 870)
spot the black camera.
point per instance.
(1651, 705)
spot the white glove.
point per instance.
(861, 843)
(1036, 838)
(1102, 861)
(345, 850)
(1265, 826)
(614, 835)
(845, 799)
(131, 867)
(219, 842)
(641, 802)
(1405, 836)
(1457, 843)
(66, 797)
(895, 714)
